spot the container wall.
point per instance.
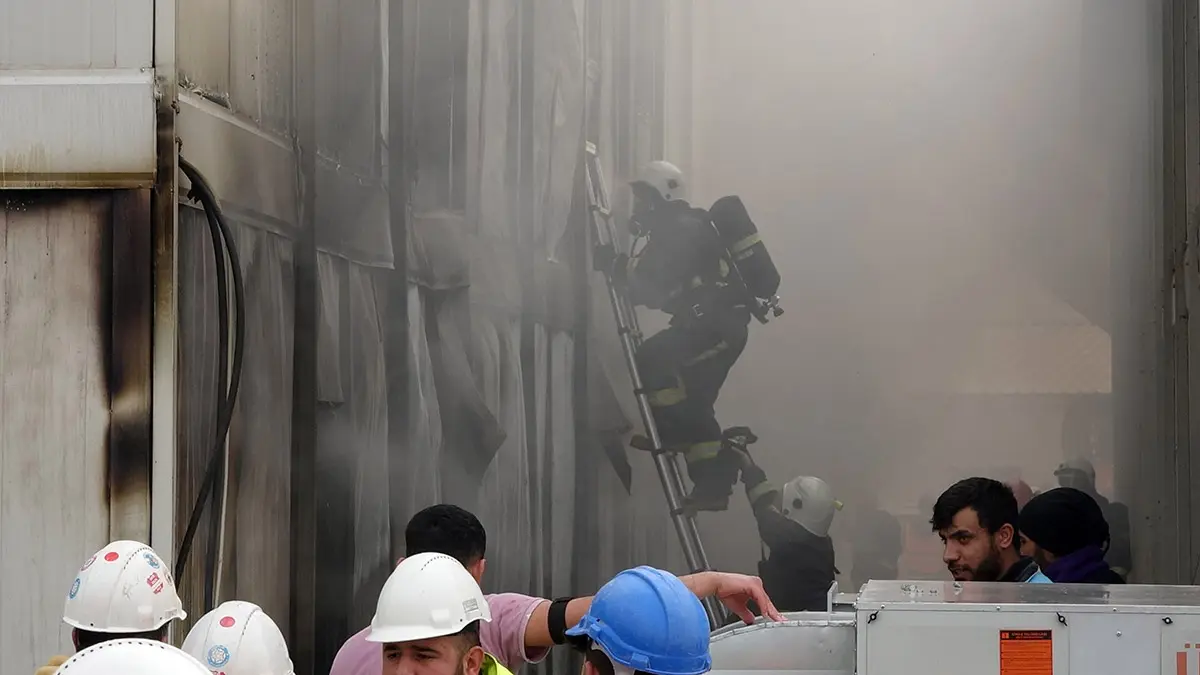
(77, 93)
(69, 481)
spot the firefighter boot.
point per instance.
(706, 498)
(712, 481)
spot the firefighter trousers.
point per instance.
(682, 369)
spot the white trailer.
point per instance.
(948, 628)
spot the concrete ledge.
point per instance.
(77, 129)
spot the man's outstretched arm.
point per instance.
(733, 590)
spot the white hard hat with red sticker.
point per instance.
(238, 638)
(131, 656)
(124, 588)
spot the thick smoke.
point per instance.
(935, 181)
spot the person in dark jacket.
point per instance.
(976, 519)
(683, 269)
(1079, 473)
(878, 542)
(1066, 533)
(793, 524)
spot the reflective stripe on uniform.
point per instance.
(493, 667)
(707, 354)
(698, 452)
(763, 488)
(665, 398)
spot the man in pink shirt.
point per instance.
(523, 628)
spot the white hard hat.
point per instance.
(132, 656)
(665, 178)
(428, 595)
(125, 588)
(809, 501)
(1077, 464)
(238, 638)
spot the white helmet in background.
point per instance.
(665, 178)
(809, 502)
(1077, 465)
(132, 656)
(238, 638)
(428, 595)
(125, 588)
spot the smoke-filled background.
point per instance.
(983, 212)
(939, 183)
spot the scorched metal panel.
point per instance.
(53, 413)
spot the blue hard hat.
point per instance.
(647, 619)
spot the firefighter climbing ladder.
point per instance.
(604, 236)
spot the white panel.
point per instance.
(807, 643)
(77, 129)
(53, 416)
(1179, 641)
(73, 34)
(1114, 642)
(248, 168)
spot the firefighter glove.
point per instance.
(753, 476)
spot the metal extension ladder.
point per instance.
(605, 236)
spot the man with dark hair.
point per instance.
(448, 529)
(977, 521)
(1066, 534)
(523, 628)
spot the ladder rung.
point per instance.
(601, 210)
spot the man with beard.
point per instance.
(1066, 534)
(976, 519)
(427, 620)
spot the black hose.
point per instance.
(216, 514)
(230, 379)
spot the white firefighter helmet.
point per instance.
(428, 595)
(124, 588)
(132, 656)
(665, 178)
(1077, 464)
(809, 502)
(238, 638)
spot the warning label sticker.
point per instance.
(1026, 652)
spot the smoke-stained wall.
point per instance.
(469, 117)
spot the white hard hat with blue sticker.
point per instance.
(238, 638)
(124, 588)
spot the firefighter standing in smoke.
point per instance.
(794, 524)
(687, 269)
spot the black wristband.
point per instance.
(556, 620)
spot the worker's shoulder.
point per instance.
(357, 656)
